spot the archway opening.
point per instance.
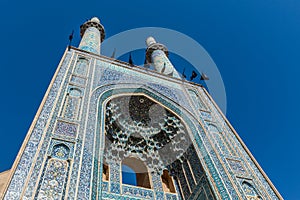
(105, 173)
(128, 175)
(167, 182)
(135, 172)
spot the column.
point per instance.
(92, 33)
(157, 55)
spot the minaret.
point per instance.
(157, 54)
(92, 33)
(102, 119)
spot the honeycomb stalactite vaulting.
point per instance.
(137, 126)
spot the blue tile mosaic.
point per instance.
(66, 146)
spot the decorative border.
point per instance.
(252, 166)
(24, 160)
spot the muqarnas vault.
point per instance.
(107, 129)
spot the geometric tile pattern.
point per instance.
(63, 155)
(81, 66)
(66, 129)
(236, 166)
(91, 40)
(52, 186)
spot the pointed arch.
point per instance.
(213, 128)
(167, 182)
(196, 100)
(104, 94)
(140, 170)
(105, 172)
(75, 92)
(72, 104)
(250, 191)
(81, 66)
(60, 151)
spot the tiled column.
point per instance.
(92, 33)
(157, 55)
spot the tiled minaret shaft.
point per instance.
(157, 54)
(92, 33)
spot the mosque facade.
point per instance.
(107, 129)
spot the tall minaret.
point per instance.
(101, 119)
(92, 33)
(157, 54)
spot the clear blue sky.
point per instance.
(255, 44)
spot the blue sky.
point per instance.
(255, 45)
